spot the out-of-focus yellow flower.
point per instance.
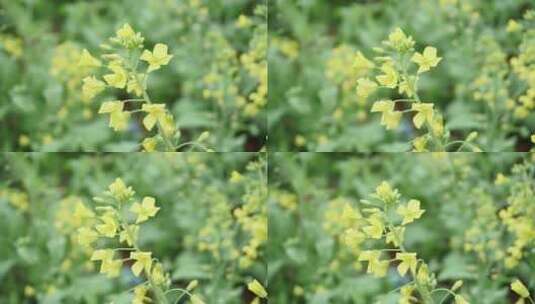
(157, 57)
(257, 289)
(427, 60)
(145, 210)
(156, 112)
(424, 112)
(410, 211)
(143, 262)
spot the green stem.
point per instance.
(156, 290)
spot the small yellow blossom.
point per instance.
(109, 226)
(118, 118)
(92, 87)
(390, 77)
(427, 60)
(149, 144)
(119, 77)
(143, 262)
(111, 268)
(243, 21)
(140, 293)
(365, 87)
(87, 236)
(390, 118)
(513, 26)
(408, 261)
(156, 112)
(129, 235)
(145, 210)
(257, 289)
(157, 57)
(424, 112)
(399, 41)
(362, 65)
(120, 191)
(410, 211)
(375, 266)
(519, 288)
(88, 61)
(375, 228)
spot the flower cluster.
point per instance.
(117, 221)
(378, 232)
(123, 60)
(239, 81)
(399, 67)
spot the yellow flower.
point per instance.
(145, 210)
(390, 77)
(111, 268)
(375, 266)
(158, 274)
(118, 78)
(376, 227)
(149, 144)
(86, 236)
(408, 261)
(156, 112)
(129, 236)
(390, 118)
(102, 255)
(410, 211)
(362, 65)
(88, 61)
(128, 38)
(365, 87)
(157, 58)
(396, 236)
(385, 192)
(257, 289)
(533, 138)
(427, 60)
(118, 118)
(235, 177)
(243, 21)
(520, 289)
(120, 191)
(92, 87)
(513, 26)
(406, 294)
(139, 294)
(135, 85)
(406, 86)
(168, 126)
(399, 41)
(109, 226)
(143, 262)
(424, 112)
(419, 144)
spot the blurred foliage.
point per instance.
(465, 233)
(214, 83)
(313, 102)
(201, 232)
